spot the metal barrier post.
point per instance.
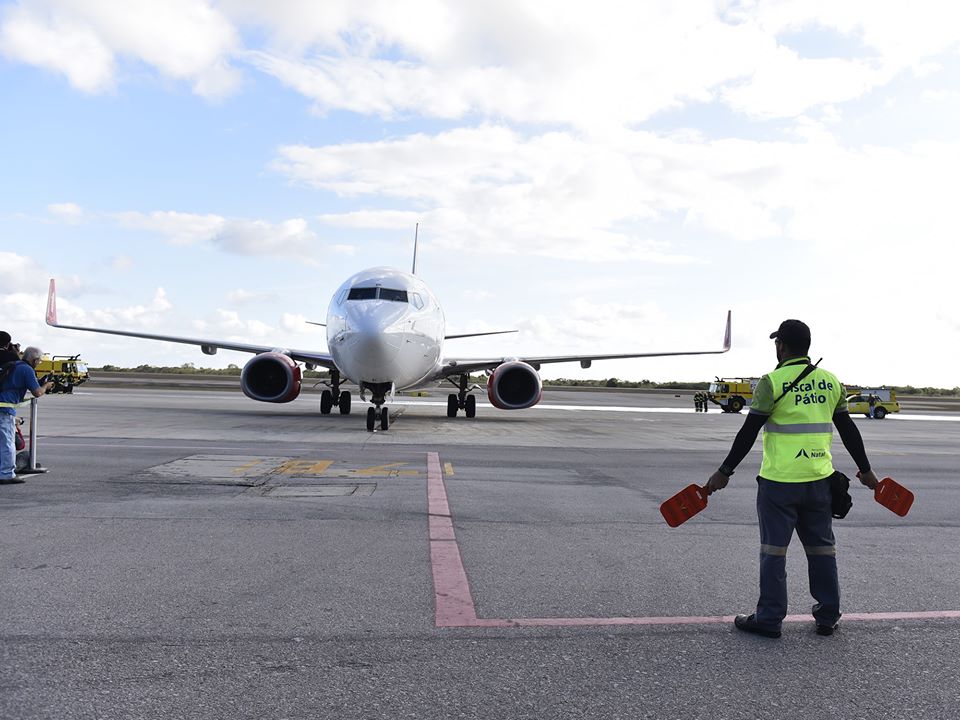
(33, 467)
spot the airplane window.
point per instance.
(362, 293)
(418, 301)
(395, 295)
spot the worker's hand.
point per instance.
(869, 479)
(717, 481)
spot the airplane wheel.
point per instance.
(385, 418)
(326, 402)
(452, 405)
(471, 406)
(344, 403)
(371, 418)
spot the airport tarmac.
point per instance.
(194, 554)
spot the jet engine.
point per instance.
(271, 377)
(514, 385)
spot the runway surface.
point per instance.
(192, 553)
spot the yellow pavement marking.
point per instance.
(390, 469)
(304, 467)
(448, 468)
(247, 466)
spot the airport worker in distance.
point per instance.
(797, 405)
(19, 378)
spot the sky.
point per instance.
(603, 176)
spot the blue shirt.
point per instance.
(18, 383)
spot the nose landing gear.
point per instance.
(380, 412)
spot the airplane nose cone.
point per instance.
(371, 343)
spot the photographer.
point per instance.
(17, 377)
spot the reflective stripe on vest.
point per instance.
(799, 428)
(799, 432)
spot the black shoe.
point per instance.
(11, 481)
(748, 623)
(826, 629)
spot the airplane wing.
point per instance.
(207, 346)
(478, 334)
(453, 366)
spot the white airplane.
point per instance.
(385, 333)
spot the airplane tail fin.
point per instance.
(52, 303)
(416, 237)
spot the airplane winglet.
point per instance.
(726, 334)
(52, 303)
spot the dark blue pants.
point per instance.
(804, 507)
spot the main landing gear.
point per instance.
(462, 401)
(329, 398)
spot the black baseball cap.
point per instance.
(794, 334)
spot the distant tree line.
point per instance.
(190, 369)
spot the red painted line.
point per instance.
(722, 619)
(441, 528)
(454, 601)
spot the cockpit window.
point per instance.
(394, 295)
(362, 293)
(373, 293)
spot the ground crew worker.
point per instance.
(696, 401)
(20, 377)
(797, 405)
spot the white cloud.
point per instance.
(258, 237)
(590, 66)
(554, 194)
(133, 316)
(86, 40)
(121, 263)
(179, 228)
(597, 65)
(19, 273)
(241, 296)
(238, 236)
(67, 212)
(372, 219)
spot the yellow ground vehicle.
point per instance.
(886, 403)
(732, 394)
(66, 371)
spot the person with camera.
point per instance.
(9, 352)
(17, 378)
(798, 404)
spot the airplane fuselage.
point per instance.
(385, 327)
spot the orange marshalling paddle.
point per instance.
(684, 505)
(893, 496)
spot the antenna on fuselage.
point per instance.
(416, 237)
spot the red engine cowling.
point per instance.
(514, 385)
(271, 377)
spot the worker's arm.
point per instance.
(741, 446)
(853, 442)
(41, 390)
(33, 386)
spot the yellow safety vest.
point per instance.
(799, 432)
